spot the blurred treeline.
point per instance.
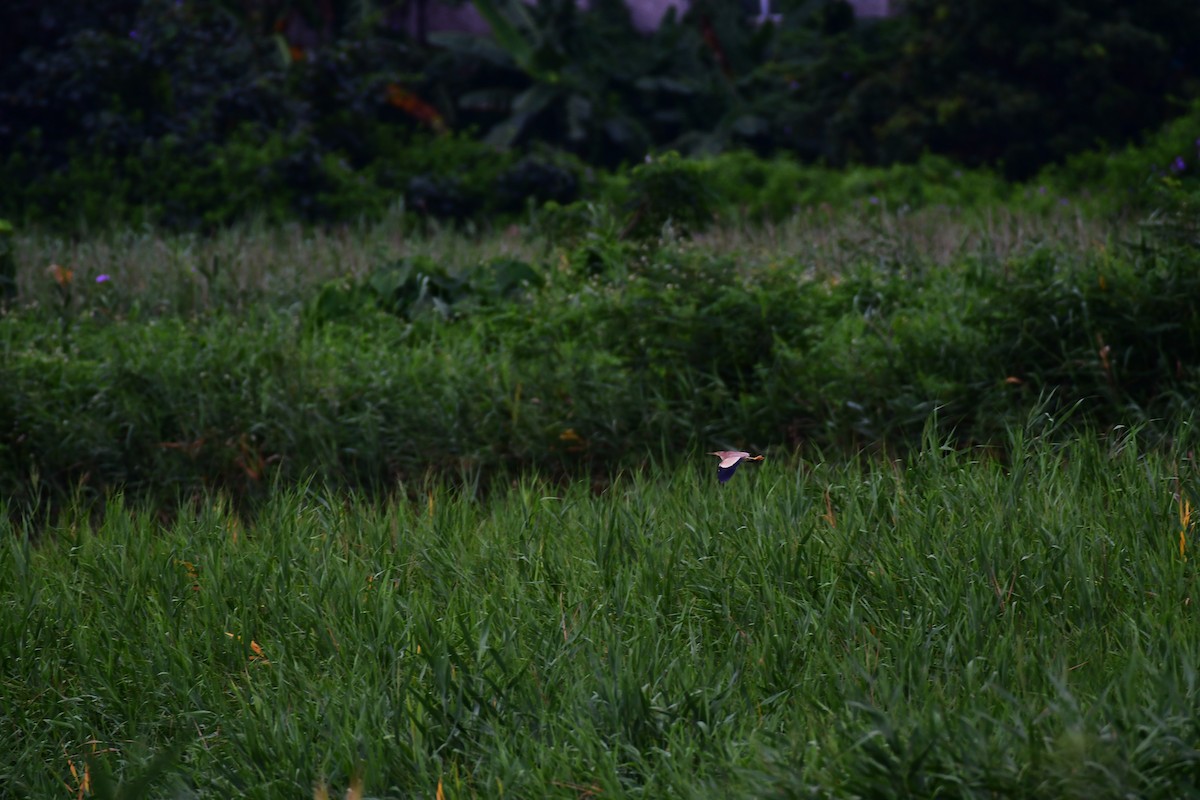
(194, 114)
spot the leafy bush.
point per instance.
(413, 287)
(667, 190)
(1175, 224)
(665, 194)
(1132, 177)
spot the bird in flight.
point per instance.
(729, 462)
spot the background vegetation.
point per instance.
(178, 365)
(355, 386)
(194, 115)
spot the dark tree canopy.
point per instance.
(312, 97)
(1024, 82)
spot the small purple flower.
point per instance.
(873, 200)
(1178, 165)
(133, 34)
(103, 277)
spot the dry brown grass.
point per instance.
(830, 240)
(246, 265)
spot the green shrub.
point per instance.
(1175, 223)
(667, 190)
(666, 194)
(410, 288)
(775, 189)
(1131, 177)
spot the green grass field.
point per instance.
(943, 625)
(290, 513)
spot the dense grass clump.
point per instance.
(942, 624)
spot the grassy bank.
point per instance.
(936, 625)
(370, 356)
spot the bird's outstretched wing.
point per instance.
(724, 473)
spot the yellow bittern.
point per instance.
(729, 462)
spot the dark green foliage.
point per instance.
(1022, 84)
(413, 287)
(195, 115)
(667, 190)
(1103, 332)
(176, 113)
(137, 75)
(550, 74)
(664, 195)
(537, 180)
(163, 767)
(440, 196)
(1175, 222)
(8, 265)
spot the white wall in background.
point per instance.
(646, 14)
